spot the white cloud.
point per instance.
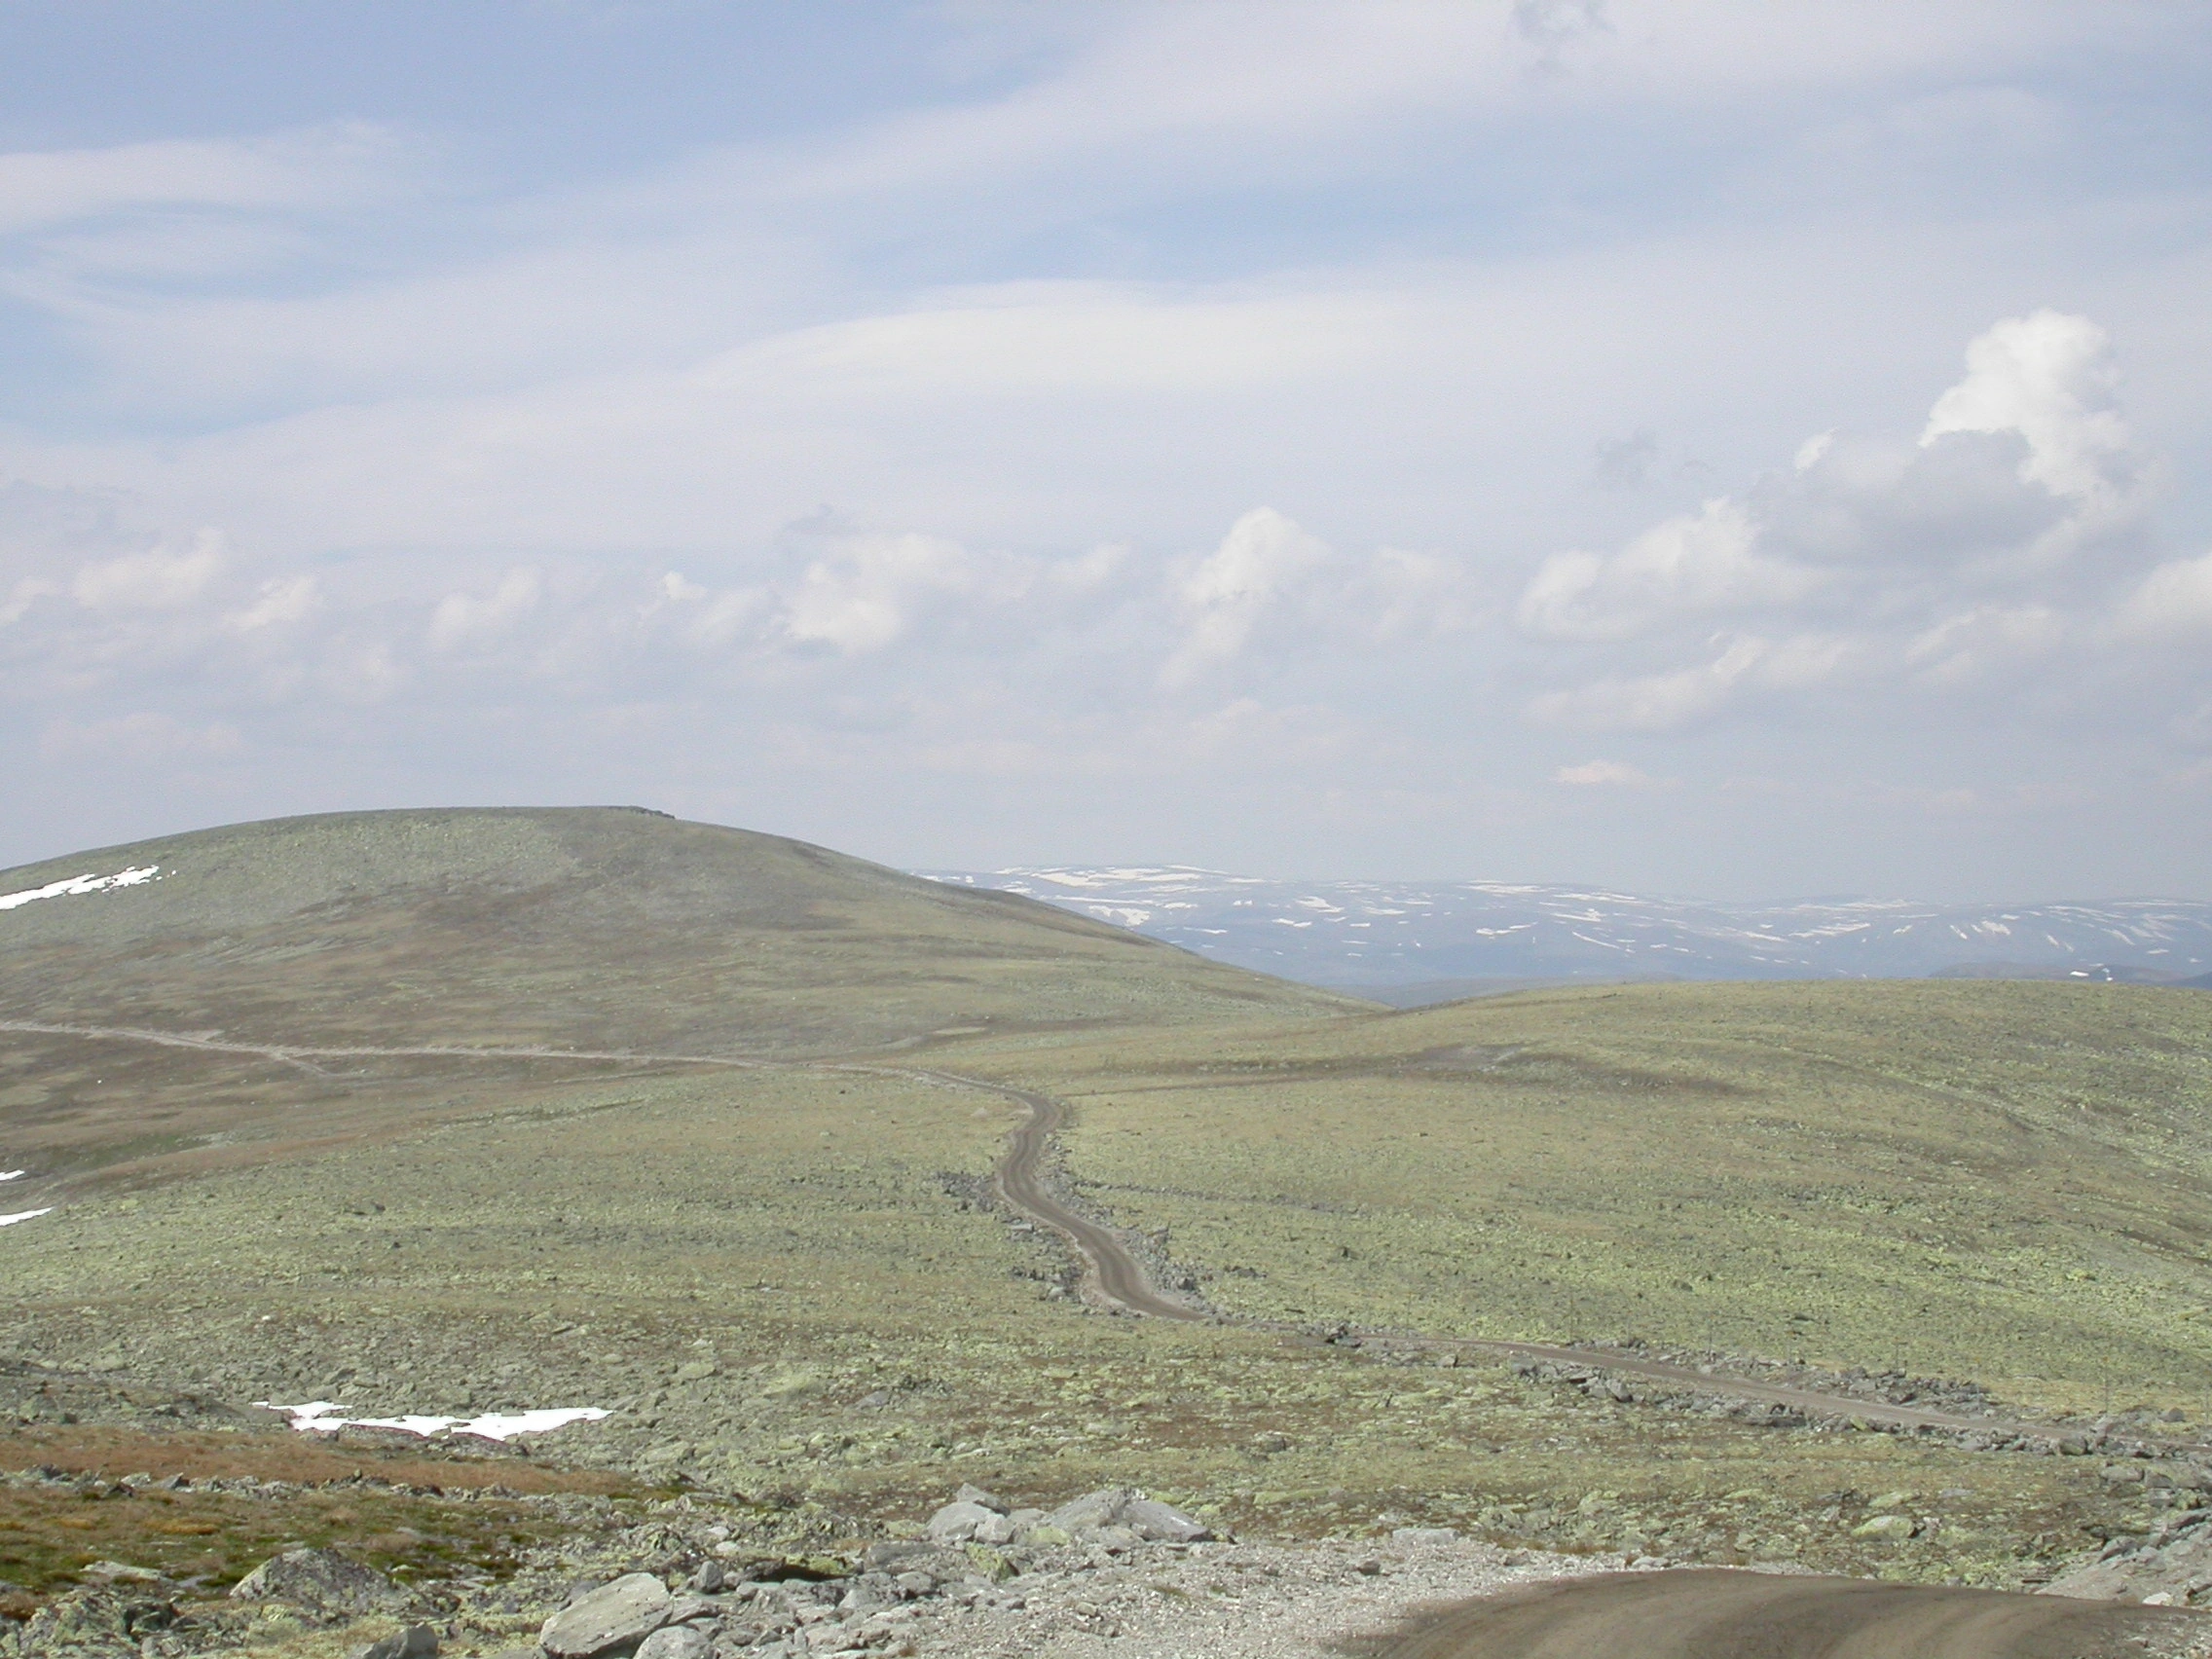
(462, 618)
(161, 579)
(281, 602)
(315, 166)
(2175, 598)
(861, 598)
(2049, 377)
(1703, 565)
(1654, 702)
(1962, 647)
(1263, 557)
(1945, 564)
(1605, 774)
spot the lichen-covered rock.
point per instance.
(322, 1583)
(677, 1642)
(957, 1523)
(415, 1642)
(1121, 1512)
(97, 1621)
(1163, 1523)
(612, 1619)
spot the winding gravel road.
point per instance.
(1715, 1614)
(1704, 1613)
(1113, 1273)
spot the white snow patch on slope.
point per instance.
(82, 884)
(322, 1417)
(13, 1174)
(25, 1215)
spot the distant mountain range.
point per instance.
(1421, 940)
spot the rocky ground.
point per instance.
(686, 1579)
(1111, 1572)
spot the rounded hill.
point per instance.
(592, 927)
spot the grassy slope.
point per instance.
(2003, 1181)
(589, 926)
(1914, 1164)
(768, 1279)
(600, 928)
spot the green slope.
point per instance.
(594, 927)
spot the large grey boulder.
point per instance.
(959, 1523)
(1092, 1511)
(415, 1642)
(320, 1581)
(677, 1642)
(612, 1619)
(1119, 1510)
(1162, 1522)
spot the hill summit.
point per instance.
(587, 927)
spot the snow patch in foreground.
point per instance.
(319, 1416)
(82, 884)
(13, 1174)
(25, 1215)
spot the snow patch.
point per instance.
(136, 877)
(25, 1215)
(13, 1174)
(321, 1417)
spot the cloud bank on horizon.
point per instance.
(1730, 448)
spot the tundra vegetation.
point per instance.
(790, 1285)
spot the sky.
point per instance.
(1733, 448)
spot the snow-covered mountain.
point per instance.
(1377, 934)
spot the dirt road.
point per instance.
(1111, 1270)
(1020, 1181)
(1714, 1613)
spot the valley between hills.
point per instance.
(775, 1157)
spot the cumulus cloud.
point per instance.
(462, 618)
(1948, 562)
(2049, 377)
(861, 596)
(280, 603)
(161, 579)
(1260, 562)
(2173, 600)
(1699, 565)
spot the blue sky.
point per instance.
(1730, 448)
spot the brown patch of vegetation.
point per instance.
(204, 1510)
(280, 1455)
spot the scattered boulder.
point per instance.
(320, 1581)
(1121, 1516)
(710, 1579)
(978, 1496)
(1896, 1528)
(961, 1522)
(415, 1642)
(611, 1620)
(1162, 1522)
(677, 1642)
(1091, 1511)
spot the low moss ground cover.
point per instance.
(786, 1284)
(2005, 1182)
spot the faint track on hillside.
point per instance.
(1113, 1271)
